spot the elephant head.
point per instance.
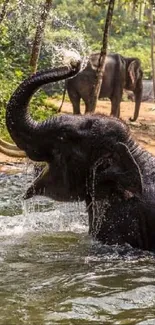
(134, 76)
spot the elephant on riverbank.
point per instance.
(91, 158)
(119, 73)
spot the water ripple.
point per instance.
(52, 272)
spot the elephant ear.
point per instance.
(133, 69)
(132, 178)
(124, 171)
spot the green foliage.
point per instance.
(8, 83)
(40, 108)
(129, 35)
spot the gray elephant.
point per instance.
(119, 73)
(91, 158)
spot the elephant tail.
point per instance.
(63, 97)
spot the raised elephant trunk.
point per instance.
(26, 132)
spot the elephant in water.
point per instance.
(91, 158)
(119, 73)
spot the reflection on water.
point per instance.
(52, 272)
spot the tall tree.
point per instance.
(152, 46)
(39, 35)
(4, 9)
(103, 53)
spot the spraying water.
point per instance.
(39, 214)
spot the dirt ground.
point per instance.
(143, 129)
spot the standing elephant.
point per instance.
(119, 73)
(91, 158)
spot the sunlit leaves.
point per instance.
(72, 24)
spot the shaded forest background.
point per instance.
(71, 25)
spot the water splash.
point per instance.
(98, 210)
(63, 41)
(18, 217)
(57, 220)
(69, 55)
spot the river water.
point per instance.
(52, 272)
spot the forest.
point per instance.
(70, 25)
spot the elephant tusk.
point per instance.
(12, 152)
(8, 145)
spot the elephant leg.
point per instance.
(115, 104)
(76, 107)
(75, 100)
(118, 111)
(88, 107)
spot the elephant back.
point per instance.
(94, 60)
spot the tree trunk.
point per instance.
(100, 69)
(140, 11)
(133, 13)
(152, 49)
(3, 11)
(39, 35)
(118, 3)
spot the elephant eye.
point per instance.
(56, 156)
(61, 138)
